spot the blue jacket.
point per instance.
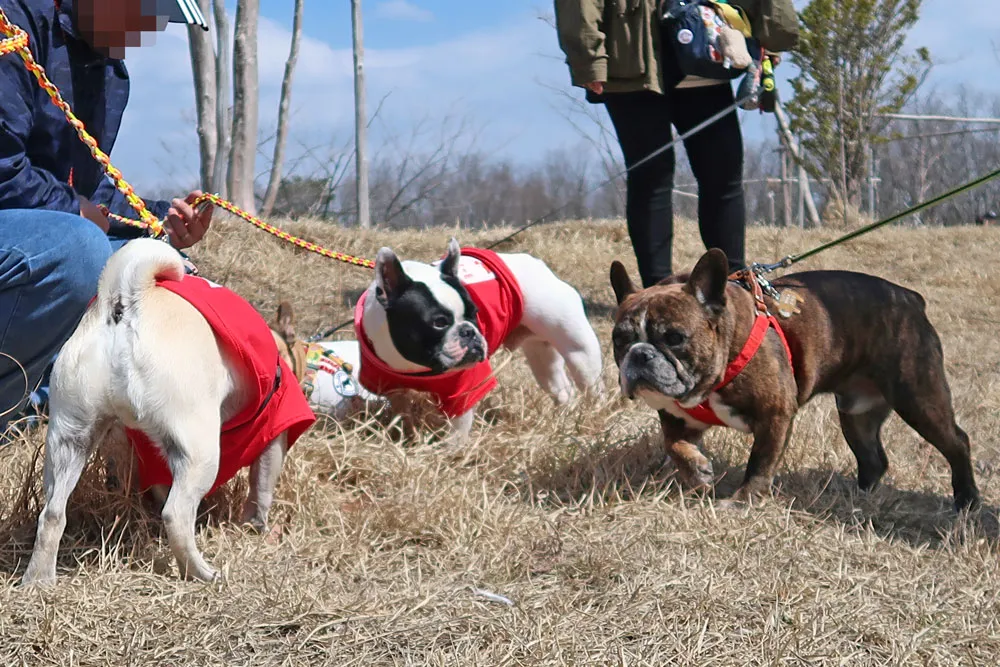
(38, 147)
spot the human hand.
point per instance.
(596, 87)
(185, 226)
(775, 59)
(89, 211)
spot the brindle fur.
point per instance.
(859, 337)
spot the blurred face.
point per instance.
(111, 25)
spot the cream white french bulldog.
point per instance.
(192, 375)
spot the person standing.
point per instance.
(613, 50)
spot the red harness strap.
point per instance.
(704, 412)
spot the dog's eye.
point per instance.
(673, 338)
(620, 338)
(441, 322)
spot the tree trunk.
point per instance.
(281, 137)
(844, 195)
(786, 192)
(360, 119)
(245, 94)
(793, 148)
(224, 110)
(203, 68)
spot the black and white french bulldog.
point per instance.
(433, 328)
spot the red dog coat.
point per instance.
(275, 401)
(497, 294)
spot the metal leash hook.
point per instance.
(758, 271)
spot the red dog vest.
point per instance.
(275, 403)
(497, 294)
(704, 412)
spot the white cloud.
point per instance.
(402, 10)
(498, 78)
(490, 77)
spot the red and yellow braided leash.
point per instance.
(17, 42)
(270, 229)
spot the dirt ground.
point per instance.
(384, 547)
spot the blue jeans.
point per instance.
(49, 266)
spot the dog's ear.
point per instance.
(620, 282)
(390, 279)
(285, 324)
(708, 281)
(449, 266)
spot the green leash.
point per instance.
(785, 262)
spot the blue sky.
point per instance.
(494, 65)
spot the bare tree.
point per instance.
(245, 101)
(792, 146)
(281, 137)
(930, 156)
(223, 107)
(202, 65)
(362, 195)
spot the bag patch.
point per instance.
(704, 43)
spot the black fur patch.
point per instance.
(467, 303)
(117, 311)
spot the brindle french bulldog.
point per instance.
(862, 338)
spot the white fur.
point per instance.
(559, 344)
(160, 370)
(658, 401)
(643, 337)
(444, 293)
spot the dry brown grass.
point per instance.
(571, 514)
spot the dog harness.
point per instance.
(274, 401)
(762, 322)
(498, 297)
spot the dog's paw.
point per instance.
(697, 478)
(207, 575)
(37, 581)
(694, 470)
(744, 497)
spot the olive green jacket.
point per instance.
(617, 41)
(613, 41)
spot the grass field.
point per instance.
(571, 514)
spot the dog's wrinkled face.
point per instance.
(431, 318)
(667, 340)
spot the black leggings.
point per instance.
(642, 121)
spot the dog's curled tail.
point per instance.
(134, 269)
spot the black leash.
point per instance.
(323, 334)
(537, 221)
(785, 262)
(759, 269)
(659, 151)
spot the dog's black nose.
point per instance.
(643, 354)
(467, 333)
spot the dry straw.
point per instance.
(384, 545)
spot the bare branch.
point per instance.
(286, 93)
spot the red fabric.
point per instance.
(245, 336)
(704, 412)
(501, 306)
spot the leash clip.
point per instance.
(758, 271)
(206, 202)
(758, 286)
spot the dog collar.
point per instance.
(704, 412)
